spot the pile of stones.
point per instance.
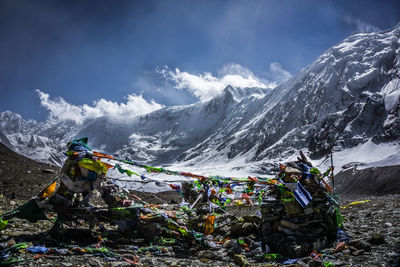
(297, 222)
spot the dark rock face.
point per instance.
(355, 125)
(10, 122)
(370, 181)
(390, 130)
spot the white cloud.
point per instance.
(203, 86)
(361, 26)
(206, 86)
(277, 73)
(60, 110)
(235, 69)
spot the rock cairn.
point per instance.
(299, 212)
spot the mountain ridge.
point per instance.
(347, 97)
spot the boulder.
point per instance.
(376, 239)
(241, 260)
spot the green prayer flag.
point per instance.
(339, 218)
(19, 246)
(11, 260)
(83, 141)
(272, 256)
(240, 241)
(3, 224)
(329, 264)
(30, 211)
(315, 171)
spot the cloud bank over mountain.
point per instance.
(61, 110)
(203, 87)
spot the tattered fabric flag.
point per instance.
(4, 254)
(355, 203)
(3, 224)
(128, 172)
(272, 256)
(30, 211)
(37, 249)
(342, 236)
(339, 217)
(11, 260)
(209, 225)
(48, 191)
(302, 195)
(83, 142)
(93, 165)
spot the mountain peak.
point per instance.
(239, 93)
(10, 122)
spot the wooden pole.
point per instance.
(332, 175)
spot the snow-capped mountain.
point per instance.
(346, 97)
(347, 100)
(42, 141)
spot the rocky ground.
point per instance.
(373, 226)
(375, 231)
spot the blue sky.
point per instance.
(95, 56)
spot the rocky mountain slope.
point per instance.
(348, 97)
(369, 181)
(22, 178)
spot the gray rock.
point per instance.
(267, 249)
(376, 239)
(214, 255)
(233, 247)
(247, 228)
(289, 225)
(316, 263)
(95, 262)
(255, 245)
(211, 244)
(48, 171)
(266, 228)
(242, 229)
(338, 263)
(241, 260)
(252, 236)
(301, 263)
(363, 245)
(285, 230)
(252, 219)
(230, 243)
(308, 211)
(346, 251)
(352, 248)
(358, 252)
(236, 229)
(223, 230)
(209, 237)
(270, 218)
